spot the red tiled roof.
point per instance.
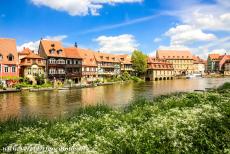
(173, 54)
(214, 56)
(29, 54)
(7, 47)
(158, 64)
(25, 51)
(106, 57)
(198, 60)
(72, 52)
(87, 56)
(54, 46)
(223, 59)
(125, 59)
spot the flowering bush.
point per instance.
(181, 123)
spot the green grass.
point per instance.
(177, 123)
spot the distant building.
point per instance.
(213, 63)
(31, 64)
(73, 67)
(126, 63)
(159, 70)
(224, 64)
(218, 63)
(198, 65)
(54, 55)
(182, 60)
(9, 68)
(108, 64)
(227, 68)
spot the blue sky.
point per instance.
(120, 26)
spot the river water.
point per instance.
(59, 103)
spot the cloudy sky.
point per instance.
(120, 26)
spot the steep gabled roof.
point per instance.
(125, 59)
(87, 56)
(7, 47)
(72, 52)
(52, 48)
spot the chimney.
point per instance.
(75, 45)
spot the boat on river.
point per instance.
(190, 76)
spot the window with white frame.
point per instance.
(61, 71)
(52, 71)
(13, 69)
(60, 61)
(52, 61)
(6, 69)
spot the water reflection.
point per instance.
(56, 103)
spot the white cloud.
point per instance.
(33, 45)
(79, 7)
(213, 16)
(157, 39)
(125, 43)
(186, 34)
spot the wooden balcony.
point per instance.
(73, 65)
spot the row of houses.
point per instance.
(59, 63)
(83, 65)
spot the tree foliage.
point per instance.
(139, 60)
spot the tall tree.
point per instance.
(139, 60)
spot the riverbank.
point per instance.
(178, 123)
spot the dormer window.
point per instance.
(51, 51)
(101, 57)
(53, 45)
(10, 57)
(113, 59)
(59, 51)
(1, 57)
(122, 59)
(107, 58)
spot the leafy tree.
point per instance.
(40, 79)
(139, 60)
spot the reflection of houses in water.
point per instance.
(10, 105)
(113, 95)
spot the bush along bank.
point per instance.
(178, 123)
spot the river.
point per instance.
(60, 103)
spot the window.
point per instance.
(52, 61)
(59, 51)
(10, 57)
(29, 71)
(13, 69)
(52, 71)
(61, 71)
(6, 69)
(60, 61)
(51, 51)
(1, 57)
